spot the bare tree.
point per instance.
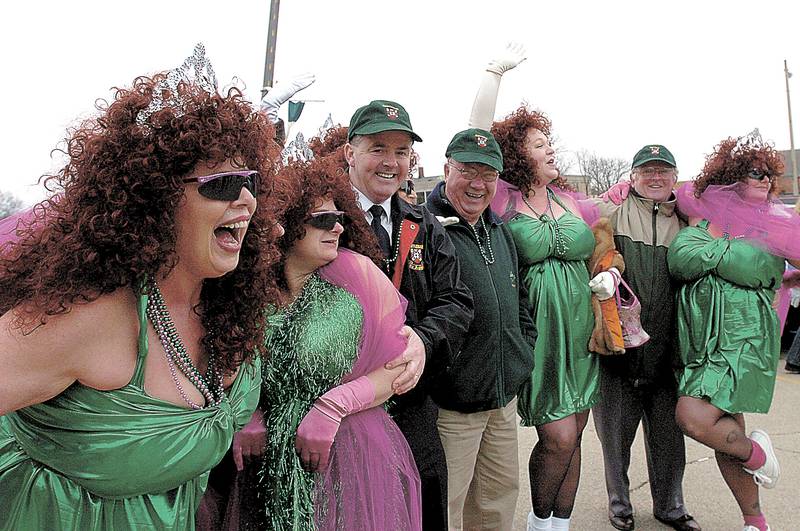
(600, 172)
(8, 204)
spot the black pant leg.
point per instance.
(417, 421)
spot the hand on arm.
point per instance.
(618, 193)
(413, 360)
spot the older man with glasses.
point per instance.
(640, 386)
(477, 394)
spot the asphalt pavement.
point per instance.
(707, 497)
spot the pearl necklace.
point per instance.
(490, 259)
(210, 384)
(560, 244)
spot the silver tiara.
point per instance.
(751, 140)
(298, 149)
(195, 70)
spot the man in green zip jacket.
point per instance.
(477, 392)
(640, 385)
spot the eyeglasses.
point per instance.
(488, 176)
(228, 185)
(326, 220)
(649, 173)
(758, 174)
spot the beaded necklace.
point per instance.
(389, 261)
(560, 244)
(488, 260)
(210, 384)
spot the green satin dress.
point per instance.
(552, 262)
(115, 460)
(728, 336)
(312, 345)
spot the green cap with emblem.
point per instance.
(378, 116)
(652, 152)
(475, 145)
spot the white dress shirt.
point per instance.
(386, 220)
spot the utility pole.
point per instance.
(272, 38)
(787, 75)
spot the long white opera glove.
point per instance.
(281, 92)
(486, 99)
(604, 284)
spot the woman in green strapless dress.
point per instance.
(728, 335)
(553, 243)
(131, 310)
(333, 458)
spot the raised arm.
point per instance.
(483, 108)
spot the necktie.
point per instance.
(380, 232)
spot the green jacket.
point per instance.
(643, 230)
(497, 353)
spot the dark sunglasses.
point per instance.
(326, 220)
(228, 185)
(758, 174)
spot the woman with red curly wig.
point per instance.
(731, 261)
(131, 309)
(333, 457)
(553, 243)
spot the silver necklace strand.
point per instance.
(488, 260)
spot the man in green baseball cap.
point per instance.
(421, 261)
(639, 387)
(378, 116)
(478, 423)
(653, 152)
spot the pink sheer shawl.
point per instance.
(770, 224)
(508, 201)
(9, 226)
(372, 481)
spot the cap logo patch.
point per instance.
(481, 140)
(391, 112)
(655, 150)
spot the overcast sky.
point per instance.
(612, 76)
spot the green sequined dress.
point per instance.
(312, 345)
(728, 336)
(552, 262)
(97, 460)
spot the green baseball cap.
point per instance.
(653, 152)
(378, 116)
(475, 145)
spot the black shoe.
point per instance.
(623, 523)
(682, 523)
(792, 368)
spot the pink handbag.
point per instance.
(630, 309)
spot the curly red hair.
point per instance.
(730, 163)
(307, 184)
(113, 225)
(511, 134)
